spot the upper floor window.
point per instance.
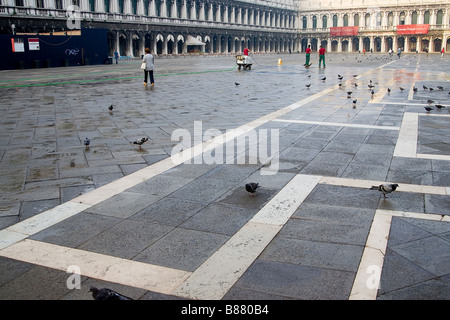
(314, 22)
(356, 20)
(390, 19)
(426, 17)
(414, 17)
(346, 20)
(324, 22)
(305, 22)
(402, 18)
(335, 20)
(439, 17)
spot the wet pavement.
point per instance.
(150, 225)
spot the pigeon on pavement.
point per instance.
(140, 141)
(385, 188)
(87, 142)
(251, 187)
(106, 294)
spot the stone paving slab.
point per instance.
(185, 216)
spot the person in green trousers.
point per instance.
(322, 56)
(308, 55)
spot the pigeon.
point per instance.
(356, 85)
(372, 92)
(428, 109)
(385, 188)
(439, 106)
(340, 77)
(237, 83)
(324, 78)
(401, 89)
(415, 89)
(370, 86)
(140, 141)
(111, 107)
(440, 88)
(87, 142)
(425, 88)
(388, 89)
(308, 85)
(106, 294)
(251, 187)
(430, 101)
(355, 100)
(431, 89)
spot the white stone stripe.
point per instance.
(283, 205)
(339, 124)
(219, 273)
(98, 266)
(403, 187)
(415, 215)
(366, 283)
(30, 226)
(433, 156)
(407, 138)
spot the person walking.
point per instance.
(308, 56)
(442, 52)
(116, 56)
(149, 61)
(399, 52)
(322, 56)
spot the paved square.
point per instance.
(142, 222)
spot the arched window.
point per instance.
(439, 17)
(414, 17)
(324, 22)
(335, 20)
(305, 22)
(390, 19)
(106, 5)
(346, 20)
(367, 20)
(356, 20)
(402, 18)
(314, 19)
(426, 17)
(378, 22)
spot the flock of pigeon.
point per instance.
(251, 187)
(138, 142)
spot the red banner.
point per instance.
(344, 31)
(413, 29)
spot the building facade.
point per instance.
(378, 25)
(165, 26)
(178, 27)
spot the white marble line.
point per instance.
(219, 273)
(403, 187)
(339, 124)
(98, 266)
(407, 138)
(367, 279)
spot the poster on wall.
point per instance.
(413, 29)
(17, 45)
(344, 31)
(33, 43)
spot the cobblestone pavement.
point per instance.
(153, 223)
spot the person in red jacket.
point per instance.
(308, 55)
(322, 56)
